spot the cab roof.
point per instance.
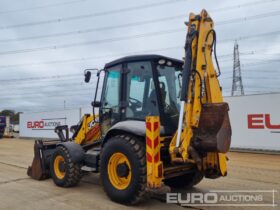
(140, 58)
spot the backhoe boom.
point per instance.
(204, 130)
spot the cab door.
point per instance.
(140, 90)
(110, 101)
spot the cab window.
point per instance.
(110, 110)
(141, 94)
(169, 81)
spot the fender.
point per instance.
(76, 151)
(133, 127)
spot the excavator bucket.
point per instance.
(43, 151)
(214, 130)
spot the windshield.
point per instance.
(169, 80)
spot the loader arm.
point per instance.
(204, 132)
(87, 131)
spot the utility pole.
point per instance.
(237, 85)
(64, 104)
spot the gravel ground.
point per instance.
(246, 171)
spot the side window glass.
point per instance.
(136, 93)
(164, 91)
(111, 96)
(110, 112)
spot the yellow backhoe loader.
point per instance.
(161, 122)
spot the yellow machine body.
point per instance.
(89, 130)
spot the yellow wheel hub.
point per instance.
(118, 179)
(59, 160)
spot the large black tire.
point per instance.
(134, 150)
(71, 170)
(185, 181)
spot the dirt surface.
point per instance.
(17, 191)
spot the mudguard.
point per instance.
(75, 150)
(134, 127)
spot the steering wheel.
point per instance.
(135, 103)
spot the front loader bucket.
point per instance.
(43, 150)
(214, 130)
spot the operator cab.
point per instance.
(138, 86)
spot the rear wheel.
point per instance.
(64, 172)
(123, 169)
(184, 181)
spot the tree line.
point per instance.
(14, 116)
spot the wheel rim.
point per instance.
(59, 160)
(116, 180)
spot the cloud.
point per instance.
(51, 95)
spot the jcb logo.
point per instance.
(261, 121)
(91, 124)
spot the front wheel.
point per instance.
(123, 169)
(64, 172)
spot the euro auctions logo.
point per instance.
(262, 121)
(45, 124)
(35, 124)
(224, 198)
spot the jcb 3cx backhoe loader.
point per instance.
(161, 122)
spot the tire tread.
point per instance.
(139, 149)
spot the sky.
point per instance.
(47, 45)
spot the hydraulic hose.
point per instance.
(187, 64)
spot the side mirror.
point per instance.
(87, 76)
(96, 104)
